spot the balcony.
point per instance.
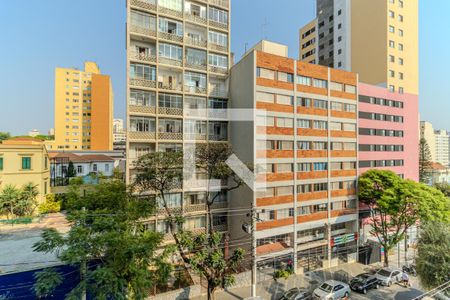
(140, 109)
(195, 136)
(142, 57)
(196, 42)
(170, 111)
(219, 205)
(217, 138)
(140, 82)
(218, 25)
(170, 37)
(195, 89)
(170, 136)
(137, 29)
(216, 47)
(221, 3)
(170, 12)
(171, 86)
(194, 208)
(170, 61)
(144, 4)
(219, 70)
(218, 92)
(195, 18)
(141, 135)
(195, 65)
(173, 211)
(221, 228)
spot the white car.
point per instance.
(387, 276)
(332, 290)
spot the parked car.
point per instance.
(332, 290)
(387, 276)
(364, 282)
(296, 294)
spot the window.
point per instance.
(322, 125)
(321, 166)
(392, 44)
(400, 75)
(265, 97)
(143, 20)
(265, 73)
(351, 89)
(392, 88)
(218, 38)
(320, 145)
(400, 61)
(400, 3)
(391, 29)
(400, 47)
(301, 123)
(94, 168)
(170, 26)
(285, 122)
(400, 90)
(219, 61)
(283, 99)
(319, 83)
(304, 167)
(285, 168)
(171, 4)
(218, 15)
(321, 104)
(169, 126)
(400, 32)
(106, 167)
(196, 222)
(391, 58)
(26, 163)
(391, 73)
(335, 86)
(305, 102)
(142, 72)
(142, 98)
(1, 163)
(303, 145)
(391, 14)
(303, 80)
(400, 18)
(285, 190)
(142, 124)
(79, 169)
(286, 77)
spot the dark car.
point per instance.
(296, 294)
(364, 282)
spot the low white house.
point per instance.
(84, 165)
(440, 174)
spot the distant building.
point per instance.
(51, 132)
(34, 133)
(440, 174)
(83, 109)
(438, 141)
(25, 160)
(119, 133)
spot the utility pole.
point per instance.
(83, 263)
(253, 253)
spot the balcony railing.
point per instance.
(195, 18)
(170, 37)
(170, 136)
(195, 42)
(196, 66)
(219, 205)
(195, 136)
(218, 70)
(217, 92)
(139, 82)
(142, 30)
(222, 3)
(141, 135)
(144, 4)
(142, 57)
(195, 112)
(173, 211)
(171, 12)
(141, 109)
(218, 25)
(221, 228)
(169, 61)
(170, 86)
(217, 47)
(194, 208)
(218, 114)
(194, 89)
(170, 111)
(217, 138)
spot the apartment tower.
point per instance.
(178, 59)
(302, 141)
(376, 39)
(83, 109)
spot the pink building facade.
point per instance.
(388, 131)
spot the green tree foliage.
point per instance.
(208, 259)
(4, 136)
(425, 163)
(433, 254)
(8, 199)
(46, 280)
(211, 159)
(397, 204)
(444, 188)
(71, 170)
(106, 227)
(18, 202)
(51, 204)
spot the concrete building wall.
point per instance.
(427, 132)
(409, 141)
(102, 112)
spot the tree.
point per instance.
(124, 261)
(161, 172)
(27, 203)
(211, 159)
(433, 254)
(425, 164)
(208, 259)
(397, 204)
(8, 199)
(4, 136)
(71, 170)
(444, 187)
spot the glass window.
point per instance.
(303, 145)
(283, 99)
(285, 122)
(170, 26)
(171, 4)
(285, 145)
(320, 145)
(170, 51)
(303, 80)
(219, 61)
(218, 15)
(351, 89)
(335, 86)
(169, 100)
(301, 123)
(322, 125)
(143, 20)
(320, 166)
(305, 102)
(140, 71)
(285, 190)
(266, 73)
(321, 104)
(319, 83)
(142, 124)
(169, 126)
(196, 57)
(1, 163)
(142, 98)
(349, 127)
(218, 38)
(265, 97)
(285, 168)
(304, 167)
(26, 163)
(195, 80)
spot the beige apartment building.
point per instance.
(379, 40)
(303, 143)
(83, 109)
(25, 160)
(178, 58)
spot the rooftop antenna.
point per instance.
(264, 28)
(246, 44)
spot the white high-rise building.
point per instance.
(438, 141)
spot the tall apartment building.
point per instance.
(376, 39)
(303, 143)
(438, 141)
(178, 59)
(388, 132)
(83, 109)
(119, 132)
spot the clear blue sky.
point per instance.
(43, 34)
